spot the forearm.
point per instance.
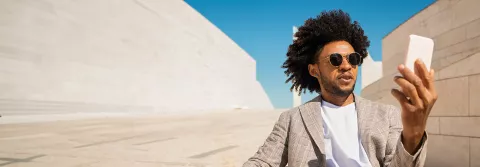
(273, 152)
(254, 162)
(402, 158)
(267, 159)
(412, 142)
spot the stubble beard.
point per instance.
(334, 89)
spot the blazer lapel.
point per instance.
(361, 113)
(312, 118)
(364, 120)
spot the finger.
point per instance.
(416, 81)
(431, 85)
(409, 90)
(402, 99)
(423, 73)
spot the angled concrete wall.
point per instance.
(454, 122)
(119, 55)
(371, 71)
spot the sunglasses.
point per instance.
(336, 59)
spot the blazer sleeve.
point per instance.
(273, 153)
(396, 155)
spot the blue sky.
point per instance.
(263, 28)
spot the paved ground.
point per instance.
(215, 139)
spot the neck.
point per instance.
(337, 100)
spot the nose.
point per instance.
(345, 66)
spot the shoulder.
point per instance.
(381, 112)
(375, 104)
(380, 108)
(289, 114)
(296, 115)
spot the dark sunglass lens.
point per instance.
(336, 59)
(354, 59)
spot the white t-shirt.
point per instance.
(342, 141)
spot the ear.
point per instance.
(313, 70)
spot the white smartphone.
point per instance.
(419, 48)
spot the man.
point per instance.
(339, 128)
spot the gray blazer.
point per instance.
(297, 137)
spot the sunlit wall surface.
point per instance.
(371, 71)
(117, 56)
(454, 135)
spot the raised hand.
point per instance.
(417, 97)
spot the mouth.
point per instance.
(345, 78)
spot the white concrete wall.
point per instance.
(297, 99)
(143, 53)
(371, 71)
(454, 121)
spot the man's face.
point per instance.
(336, 80)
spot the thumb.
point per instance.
(400, 97)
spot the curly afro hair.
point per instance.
(327, 27)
